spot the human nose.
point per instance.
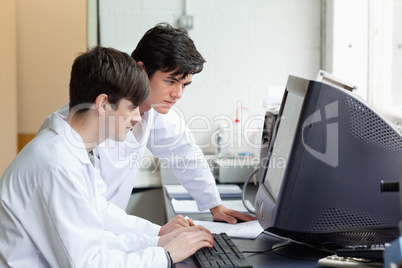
(136, 116)
(177, 92)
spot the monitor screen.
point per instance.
(283, 141)
(330, 153)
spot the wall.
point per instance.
(397, 58)
(8, 83)
(251, 46)
(40, 40)
(50, 35)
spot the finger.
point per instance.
(242, 216)
(189, 221)
(203, 236)
(231, 220)
(224, 217)
(202, 228)
(204, 244)
(178, 217)
(184, 223)
(181, 221)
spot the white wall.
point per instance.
(251, 46)
(397, 57)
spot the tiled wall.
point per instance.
(251, 46)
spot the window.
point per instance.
(362, 43)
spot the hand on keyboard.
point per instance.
(184, 242)
(223, 254)
(176, 223)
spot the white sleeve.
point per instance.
(115, 218)
(172, 142)
(69, 232)
(119, 222)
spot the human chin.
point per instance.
(121, 137)
(162, 109)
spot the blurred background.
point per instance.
(251, 46)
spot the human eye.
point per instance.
(171, 82)
(133, 107)
(187, 84)
(172, 79)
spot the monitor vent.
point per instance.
(335, 219)
(362, 237)
(368, 127)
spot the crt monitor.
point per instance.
(330, 152)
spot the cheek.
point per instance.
(152, 95)
(120, 122)
(124, 120)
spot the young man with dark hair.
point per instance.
(170, 59)
(51, 209)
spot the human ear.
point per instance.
(140, 63)
(101, 103)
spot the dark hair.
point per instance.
(168, 49)
(108, 71)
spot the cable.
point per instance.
(270, 146)
(262, 251)
(285, 243)
(243, 194)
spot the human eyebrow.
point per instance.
(171, 77)
(131, 105)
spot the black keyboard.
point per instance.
(224, 254)
(373, 252)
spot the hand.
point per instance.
(165, 239)
(188, 242)
(177, 222)
(222, 213)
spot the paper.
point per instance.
(225, 190)
(249, 229)
(189, 206)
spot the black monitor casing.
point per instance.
(326, 200)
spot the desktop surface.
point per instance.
(263, 242)
(270, 259)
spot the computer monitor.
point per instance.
(330, 152)
(267, 134)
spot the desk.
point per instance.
(261, 243)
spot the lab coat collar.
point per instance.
(73, 140)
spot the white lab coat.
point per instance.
(167, 137)
(52, 215)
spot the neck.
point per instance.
(144, 108)
(87, 126)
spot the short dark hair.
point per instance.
(168, 49)
(109, 71)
